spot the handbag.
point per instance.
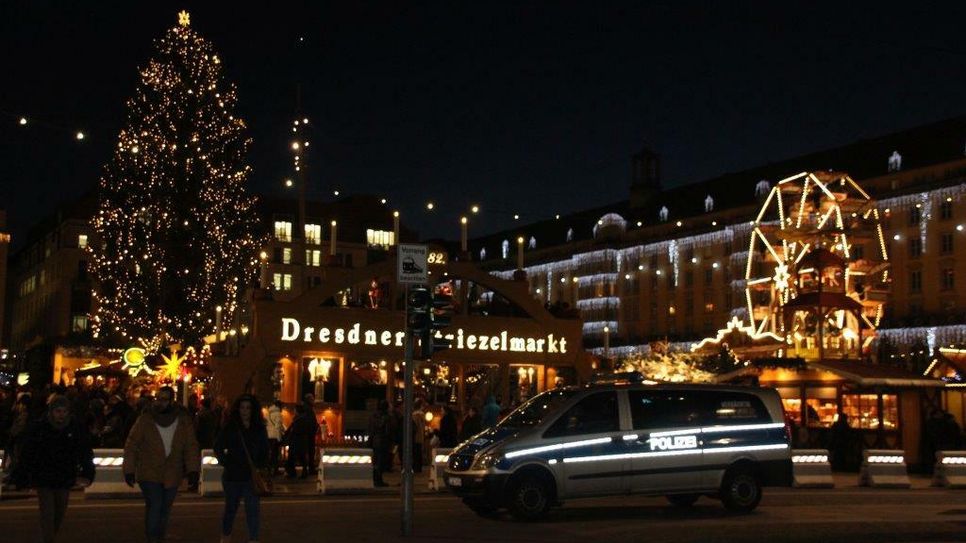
(263, 485)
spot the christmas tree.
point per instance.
(176, 227)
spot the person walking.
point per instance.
(472, 424)
(206, 425)
(242, 445)
(55, 456)
(300, 436)
(380, 439)
(160, 451)
(275, 430)
(419, 435)
(491, 412)
(448, 429)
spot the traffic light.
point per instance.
(419, 309)
(433, 339)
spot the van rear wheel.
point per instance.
(529, 498)
(682, 500)
(741, 490)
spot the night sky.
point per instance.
(522, 107)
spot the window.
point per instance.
(313, 233)
(82, 241)
(914, 216)
(946, 210)
(946, 243)
(28, 285)
(915, 247)
(594, 414)
(737, 408)
(863, 411)
(380, 238)
(915, 281)
(283, 230)
(286, 255)
(78, 323)
(282, 281)
(948, 279)
(313, 257)
(665, 409)
(708, 276)
(689, 279)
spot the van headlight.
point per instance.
(487, 461)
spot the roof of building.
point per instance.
(918, 147)
(866, 374)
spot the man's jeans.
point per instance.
(157, 502)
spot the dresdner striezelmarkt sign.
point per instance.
(356, 334)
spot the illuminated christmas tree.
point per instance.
(176, 227)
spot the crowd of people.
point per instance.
(49, 437)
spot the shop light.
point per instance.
(209, 461)
(954, 460)
(810, 459)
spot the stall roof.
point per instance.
(875, 375)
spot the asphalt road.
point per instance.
(852, 515)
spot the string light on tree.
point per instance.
(173, 199)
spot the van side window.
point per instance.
(665, 409)
(737, 408)
(594, 414)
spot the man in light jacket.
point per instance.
(160, 450)
(275, 432)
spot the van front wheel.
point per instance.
(528, 498)
(741, 490)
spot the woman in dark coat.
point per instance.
(243, 436)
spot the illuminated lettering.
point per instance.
(290, 329)
(671, 443)
(324, 335)
(354, 335)
(495, 343)
(400, 337)
(386, 338)
(308, 333)
(339, 335)
(518, 345)
(471, 342)
(370, 337)
(484, 343)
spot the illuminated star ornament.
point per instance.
(172, 366)
(781, 277)
(184, 18)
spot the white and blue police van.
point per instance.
(627, 437)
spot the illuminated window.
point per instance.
(78, 323)
(379, 238)
(709, 307)
(313, 233)
(283, 230)
(286, 255)
(282, 281)
(313, 257)
(82, 241)
(863, 411)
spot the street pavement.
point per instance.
(847, 513)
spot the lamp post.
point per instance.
(520, 253)
(217, 323)
(395, 228)
(607, 343)
(332, 238)
(464, 243)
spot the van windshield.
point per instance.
(537, 408)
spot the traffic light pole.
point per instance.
(407, 429)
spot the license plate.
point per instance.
(455, 481)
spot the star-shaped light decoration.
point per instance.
(172, 365)
(781, 277)
(184, 18)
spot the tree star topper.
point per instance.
(184, 18)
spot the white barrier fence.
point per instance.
(436, 468)
(209, 483)
(811, 469)
(950, 469)
(884, 468)
(345, 469)
(109, 476)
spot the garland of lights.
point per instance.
(176, 228)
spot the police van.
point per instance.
(622, 437)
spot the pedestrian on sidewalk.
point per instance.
(491, 412)
(275, 431)
(55, 455)
(301, 440)
(380, 439)
(160, 451)
(242, 444)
